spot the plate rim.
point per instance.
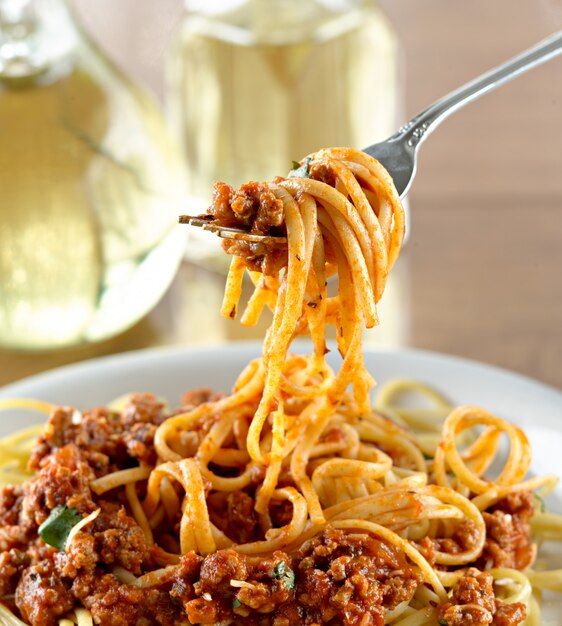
(164, 352)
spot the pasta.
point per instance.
(293, 499)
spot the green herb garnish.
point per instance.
(443, 622)
(289, 580)
(56, 528)
(280, 569)
(300, 171)
(285, 575)
(236, 604)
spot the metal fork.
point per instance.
(399, 152)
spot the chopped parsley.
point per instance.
(279, 569)
(56, 528)
(301, 171)
(285, 575)
(236, 604)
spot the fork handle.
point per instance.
(419, 127)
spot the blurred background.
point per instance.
(480, 275)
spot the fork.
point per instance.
(398, 154)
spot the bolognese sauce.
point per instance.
(334, 578)
(255, 208)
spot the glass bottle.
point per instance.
(89, 186)
(255, 84)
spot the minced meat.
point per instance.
(255, 208)
(473, 602)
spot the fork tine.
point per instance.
(227, 232)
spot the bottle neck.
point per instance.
(37, 37)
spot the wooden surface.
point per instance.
(481, 275)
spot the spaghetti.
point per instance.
(292, 500)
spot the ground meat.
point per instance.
(184, 577)
(253, 207)
(475, 588)
(47, 583)
(139, 440)
(336, 578)
(63, 479)
(220, 209)
(323, 173)
(509, 614)
(473, 602)
(238, 519)
(281, 513)
(143, 408)
(16, 529)
(195, 397)
(218, 569)
(81, 556)
(11, 498)
(426, 547)
(97, 434)
(267, 258)
(42, 596)
(108, 440)
(508, 533)
(12, 564)
(208, 595)
(347, 577)
(114, 604)
(119, 539)
(463, 538)
(53, 586)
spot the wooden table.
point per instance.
(481, 275)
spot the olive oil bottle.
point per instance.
(89, 186)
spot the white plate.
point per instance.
(169, 372)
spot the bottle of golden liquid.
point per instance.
(255, 84)
(89, 186)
